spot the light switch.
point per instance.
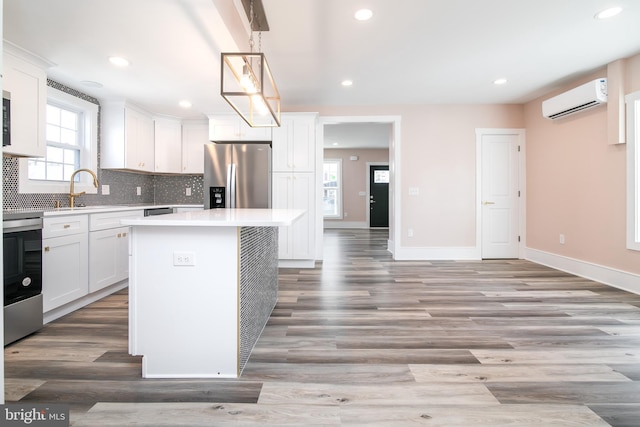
(414, 191)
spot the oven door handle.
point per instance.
(16, 225)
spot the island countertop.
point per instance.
(221, 218)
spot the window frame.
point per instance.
(339, 214)
(633, 170)
(88, 155)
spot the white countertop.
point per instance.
(221, 218)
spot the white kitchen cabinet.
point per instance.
(231, 127)
(64, 260)
(109, 248)
(294, 143)
(294, 184)
(128, 134)
(195, 134)
(168, 145)
(296, 191)
(25, 78)
(108, 257)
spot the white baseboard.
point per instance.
(296, 263)
(607, 275)
(436, 254)
(345, 224)
(58, 312)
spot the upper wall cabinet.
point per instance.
(195, 134)
(128, 138)
(294, 143)
(230, 127)
(168, 145)
(25, 78)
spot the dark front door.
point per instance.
(379, 196)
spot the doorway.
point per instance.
(393, 243)
(500, 190)
(378, 178)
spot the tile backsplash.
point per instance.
(122, 188)
(122, 185)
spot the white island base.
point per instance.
(202, 286)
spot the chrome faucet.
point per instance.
(73, 195)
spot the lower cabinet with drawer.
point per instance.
(64, 260)
(108, 248)
(85, 257)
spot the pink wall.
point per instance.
(354, 179)
(439, 158)
(437, 155)
(576, 180)
(576, 184)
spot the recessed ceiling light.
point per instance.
(608, 13)
(335, 144)
(347, 83)
(119, 61)
(89, 83)
(363, 14)
(500, 81)
(185, 104)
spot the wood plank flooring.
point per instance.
(364, 340)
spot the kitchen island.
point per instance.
(202, 286)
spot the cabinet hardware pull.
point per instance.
(66, 226)
(47, 248)
(119, 235)
(489, 203)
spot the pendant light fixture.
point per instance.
(247, 84)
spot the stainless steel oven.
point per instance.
(22, 263)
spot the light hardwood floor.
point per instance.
(364, 340)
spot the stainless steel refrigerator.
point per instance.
(237, 175)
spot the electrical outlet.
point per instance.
(187, 191)
(410, 232)
(184, 258)
(562, 239)
(105, 189)
(139, 191)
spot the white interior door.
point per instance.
(500, 204)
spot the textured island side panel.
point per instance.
(258, 284)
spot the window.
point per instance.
(332, 188)
(633, 171)
(64, 145)
(72, 141)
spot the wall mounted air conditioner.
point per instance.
(583, 97)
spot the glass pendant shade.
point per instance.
(247, 85)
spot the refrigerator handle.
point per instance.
(231, 185)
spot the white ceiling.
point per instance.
(410, 52)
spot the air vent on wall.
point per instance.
(581, 98)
